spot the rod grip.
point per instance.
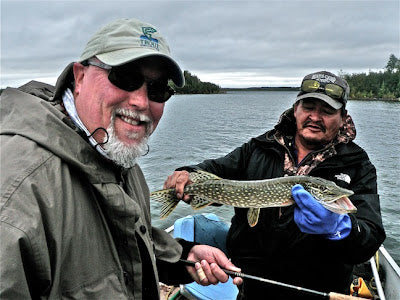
(336, 296)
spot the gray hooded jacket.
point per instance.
(73, 225)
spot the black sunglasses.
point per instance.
(128, 79)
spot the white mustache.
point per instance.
(125, 155)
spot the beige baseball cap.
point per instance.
(125, 40)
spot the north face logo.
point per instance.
(344, 177)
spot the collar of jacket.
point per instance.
(64, 81)
(59, 138)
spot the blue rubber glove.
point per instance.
(311, 217)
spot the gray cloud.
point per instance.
(231, 43)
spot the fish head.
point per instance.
(327, 191)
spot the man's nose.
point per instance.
(315, 114)
(139, 97)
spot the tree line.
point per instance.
(384, 84)
(193, 85)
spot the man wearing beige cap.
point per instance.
(74, 210)
(305, 244)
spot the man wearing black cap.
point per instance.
(305, 244)
(74, 208)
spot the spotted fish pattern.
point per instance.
(208, 188)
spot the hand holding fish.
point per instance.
(200, 189)
(178, 180)
(311, 217)
(209, 263)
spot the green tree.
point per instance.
(193, 85)
(380, 85)
(393, 64)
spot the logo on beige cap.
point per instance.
(147, 40)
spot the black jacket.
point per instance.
(275, 248)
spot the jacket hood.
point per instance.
(31, 113)
(64, 81)
(285, 125)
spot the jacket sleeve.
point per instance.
(168, 251)
(174, 272)
(17, 262)
(367, 232)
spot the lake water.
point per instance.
(198, 127)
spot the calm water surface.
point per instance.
(198, 127)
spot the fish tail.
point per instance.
(168, 199)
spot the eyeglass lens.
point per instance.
(331, 89)
(130, 80)
(126, 77)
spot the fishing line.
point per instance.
(331, 295)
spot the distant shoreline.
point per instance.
(296, 89)
(285, 89)
(377, 99)
(282, 89)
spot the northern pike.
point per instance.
(208, 188)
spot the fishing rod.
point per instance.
(330, 296)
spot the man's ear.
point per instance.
(344, 116)
(295, 108)
(79, 72)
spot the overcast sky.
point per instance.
(230, 43)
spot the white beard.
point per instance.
(125, 155)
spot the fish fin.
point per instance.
(288, 202)
(168, 200)
(199, 202)
(200, 176)
(340, 206)
(252, 216)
